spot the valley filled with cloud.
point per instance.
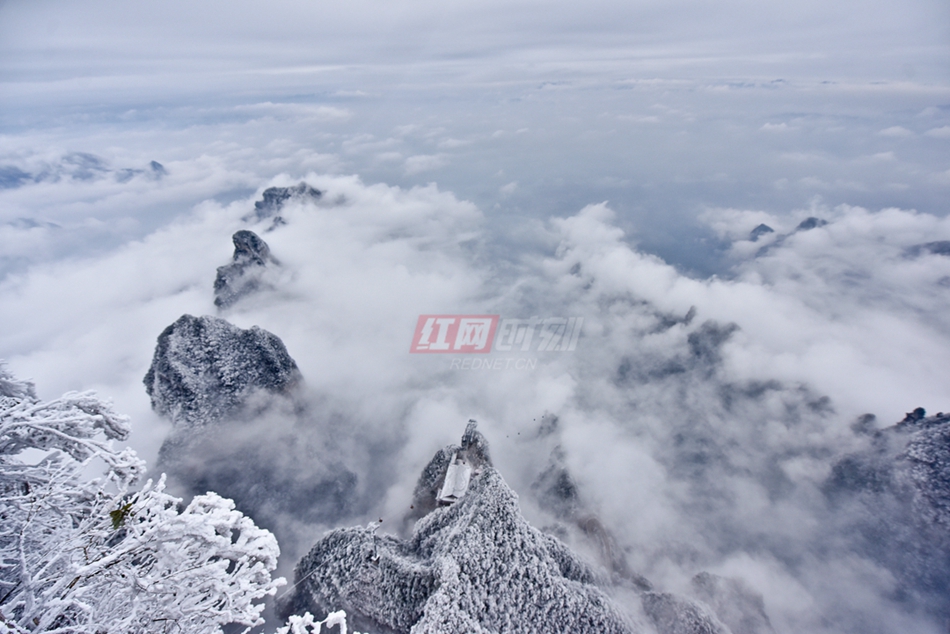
(745, 205)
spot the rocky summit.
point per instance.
(274, 199)
(204, 369)
(473, 564)
(243, 276)
(243, 429)
(895, 498)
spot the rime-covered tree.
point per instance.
(79, 555)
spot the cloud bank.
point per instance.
(699, 417)
(721, 365)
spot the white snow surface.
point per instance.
(476, 566)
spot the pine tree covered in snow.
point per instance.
(89, 556)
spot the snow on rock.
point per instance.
(244, 275)
(244, 428)
(274, 199)
(673, 614)
(204, 369)
(474, 565)
(895, 495)
(431, 491)
(737, 606)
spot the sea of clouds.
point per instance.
(607, 164)
(698, 416)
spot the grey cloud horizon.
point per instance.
(424, 29)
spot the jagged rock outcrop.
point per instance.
(205, 369)
(556, 492)
(911, 458)
(673, 614)
(895, 497)
(473, 564)
(473, 452)
(242, 430)
(244, 274)
(716, 604)
(759, 231)
(940, 247)
(805, 225)
(739, 607)
(274, 199)
(810, 223)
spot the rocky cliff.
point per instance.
(894, 497)
(205, 369)
(473, 564)
(244, 275)
(243, 429)
(274, 199)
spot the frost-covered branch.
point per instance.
(307, 624)
(84, 556)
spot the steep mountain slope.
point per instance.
(244, 275)
(895, 497)
(472, 565)
(241, 427)
(205, 369)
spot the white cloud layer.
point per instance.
(832, 322)
(134, 138)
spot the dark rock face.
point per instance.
(707, 341)
(274, 198)
(471, 565)
(805, 225)
(556, 492)
(736, 605)
(672, 614)
(242, 430)
(810, 223)
(243, 276)
(895, 497)
(205, 369)
(760, 231)
(941, 247)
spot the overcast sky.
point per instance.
(605, 160)
(527, 108)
